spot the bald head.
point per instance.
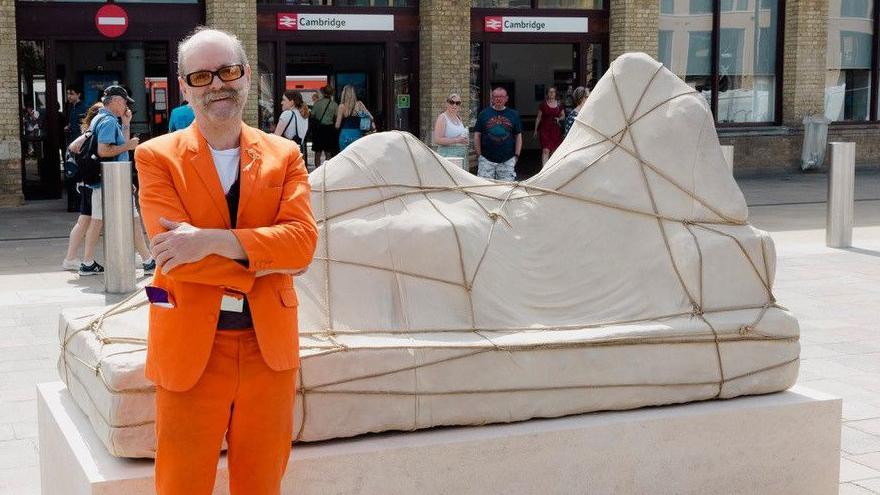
(203, 36)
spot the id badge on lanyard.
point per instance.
(232, 302)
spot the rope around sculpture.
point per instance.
(326, 340)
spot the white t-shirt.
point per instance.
(226, 162)
(298, 128)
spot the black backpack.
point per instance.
(87, 160)
(71, 169)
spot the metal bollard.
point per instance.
(841, 194)
(727, 151)
(119, 277)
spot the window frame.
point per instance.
(535, 6)
(874, 92)
(359, 8)
(715, 66)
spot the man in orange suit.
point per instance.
(227, 209)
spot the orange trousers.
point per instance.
(240, 397)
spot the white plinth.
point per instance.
(785, 443)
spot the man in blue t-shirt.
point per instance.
(111, 125)
(498, 139)
(181, 117)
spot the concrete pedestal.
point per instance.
(784, 443)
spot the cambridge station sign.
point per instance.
(518, 24)
(287, 21)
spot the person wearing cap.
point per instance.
(114, 137)
(111, 127)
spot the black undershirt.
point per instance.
(232, 320)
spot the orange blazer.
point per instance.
(274, 225)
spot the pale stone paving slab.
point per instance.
(871, 460)
(873, 484)
(854, 489)
(853, 471)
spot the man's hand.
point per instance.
(182, 243)
(126, 117)
(132, 143)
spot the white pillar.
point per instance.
(118, 228)
(841, 194)
(727, 151)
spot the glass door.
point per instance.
(40, 151)
(404, 99)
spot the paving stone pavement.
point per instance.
(835, 293)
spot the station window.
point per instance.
(123, 1)
(346, 3)
(733, 66)
(539, 4)
(266, 86)
(850, 73)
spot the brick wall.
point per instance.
(803, 83)
(634, 27)
(10, 144)
(239, 17)
(780, 150)
(444, 54)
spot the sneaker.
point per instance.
(149, 267)
(92, 269)
(71, 265)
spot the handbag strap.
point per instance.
(326, 107)
(292, 117)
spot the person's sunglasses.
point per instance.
(227, 73)
(453, 102)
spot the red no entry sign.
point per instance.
(111, 20)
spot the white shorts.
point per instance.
(98, 205)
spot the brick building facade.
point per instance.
(10, 144)
(436, 47)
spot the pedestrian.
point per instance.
(548, 124)
(352, 118)
(579, 97)
(181, 117)
(498, 139)
(450, 133)
(31, 120)
(293, 123)
(76, 112)
(227, 208)
(324, 135)
(72, 261)
(111, 128)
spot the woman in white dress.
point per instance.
(450, 133)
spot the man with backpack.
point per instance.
(110, 140)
